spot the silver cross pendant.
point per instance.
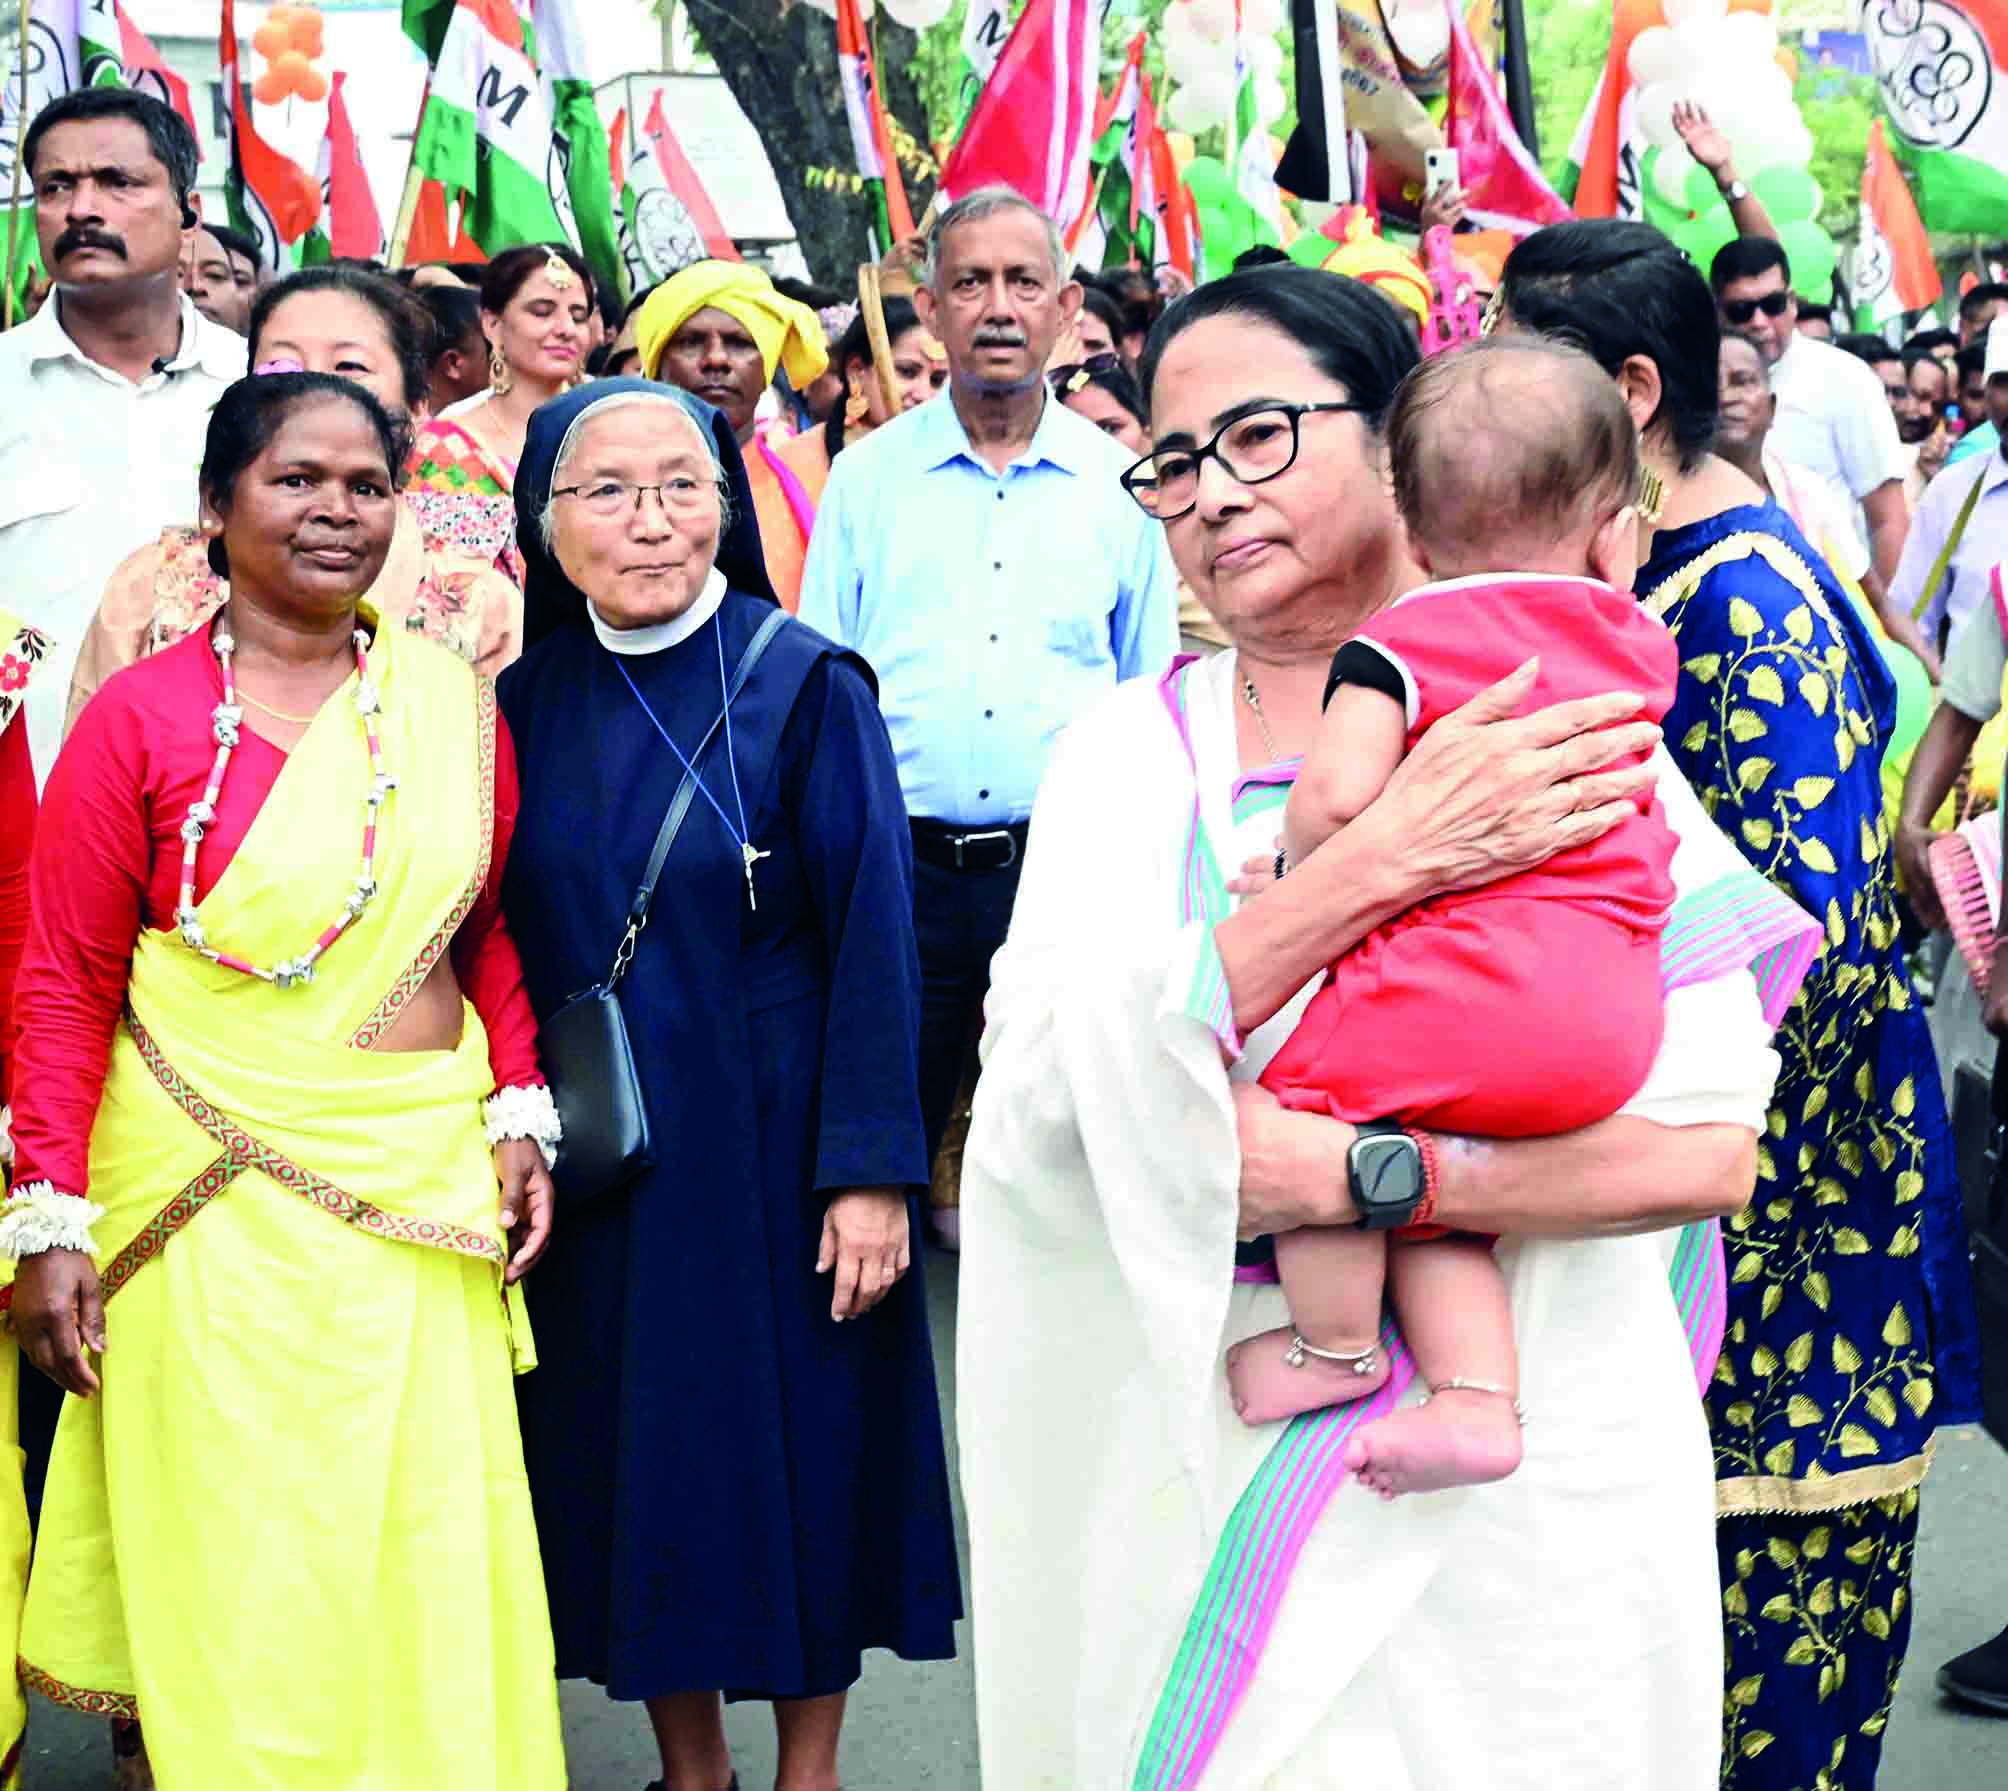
(751, 856)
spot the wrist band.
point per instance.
(36, 1219)
(1425, 1144)
(525, 1111)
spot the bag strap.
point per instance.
(1940, 565)
(679, 805)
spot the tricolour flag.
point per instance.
(985, 27)
(668, 218)
(1248, 152)
(1177, 241)
(584, 196)
(1891, 271)
(1033, 125)
(271, 199)
(350, 226)
(871, 135)
(145, 71)
(1609, 147)
(486, 135)
(1942, 68)
(1118, 159)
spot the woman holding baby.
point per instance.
(1170, 1592)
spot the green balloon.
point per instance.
(1790, 195)
(1228, 224)
(1311, 248)
(1811, 252)
(1704, 235)
(1656, 208)
(1701, 190)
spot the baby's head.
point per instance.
(1516, 455)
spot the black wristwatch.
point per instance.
(1387, 1175)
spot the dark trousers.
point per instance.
(959, 920)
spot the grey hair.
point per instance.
(987, 202)
(568, 448)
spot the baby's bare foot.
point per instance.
(1266, 1386)
(1460, 1437)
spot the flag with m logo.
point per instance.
(486, 134)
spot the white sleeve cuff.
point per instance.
(524, 1112)
(36, 1219)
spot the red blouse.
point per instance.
(111, 863)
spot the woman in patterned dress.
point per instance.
(1850, 1328)
(441, 578)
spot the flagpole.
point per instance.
(1519, 76)
(20, 137)
(414, 188)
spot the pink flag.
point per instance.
(1033, 123)
(142, 59)
(1501, 181)
(355, 228)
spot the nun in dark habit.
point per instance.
(733, 1441)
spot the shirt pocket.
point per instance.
(36, 486)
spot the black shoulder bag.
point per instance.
(584, 1046)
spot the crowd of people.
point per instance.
(1483, 800)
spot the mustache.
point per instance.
(82, 236)
(998, 339)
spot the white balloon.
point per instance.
(1270, 102)
(1655, 114)
(1262, 17)
(917, 15)
(1200, 105)
(1751, 35)
(1655, 56)
(1189, 57)
(1680, 12)
(1265, 56)
(1670, 169)
(1210, 18)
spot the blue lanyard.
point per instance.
(742, 834)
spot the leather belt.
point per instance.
(953, 848)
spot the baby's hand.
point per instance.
(1258, 874)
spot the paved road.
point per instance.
(914, 1728)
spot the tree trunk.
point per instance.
(779, 58)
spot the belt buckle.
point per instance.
(990, 833)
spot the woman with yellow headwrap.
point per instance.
(720, 330)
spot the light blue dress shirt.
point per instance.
(993, 607)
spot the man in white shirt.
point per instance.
(1983, 542)
(1833, 417)
(105, 394)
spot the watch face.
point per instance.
(1387, 1172)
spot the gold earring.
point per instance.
(856, 409)
(500, 379)
(1651, 496)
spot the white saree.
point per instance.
(1559, 1631)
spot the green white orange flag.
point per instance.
(486, 133)
(1604, 159)
(1121, 174)
(270, 197)
(1942, 68)
(668, 220)
(350, 225)
(1248, 151)
(1175, 241)
(871, 135)
(580, 144)
(1892, 271)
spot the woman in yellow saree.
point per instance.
(286, 1524)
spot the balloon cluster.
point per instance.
(290, 40)
(1727, 60)
(1198, 43)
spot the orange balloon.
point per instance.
(1790, 64)
(271, 38)
(314, 88)
(308, 31)
(270, 88)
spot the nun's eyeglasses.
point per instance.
(1257, 445)
(612, 497)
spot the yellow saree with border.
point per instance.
(293, 1534)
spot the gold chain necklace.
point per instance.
(298, 721)
(1269, 745)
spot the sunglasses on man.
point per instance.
(1740, 311)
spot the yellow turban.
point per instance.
(789, 334)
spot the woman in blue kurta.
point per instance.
(1850, 1327)
(735, 1491)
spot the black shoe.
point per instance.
(1979, 1677)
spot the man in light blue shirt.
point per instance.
(982, 557)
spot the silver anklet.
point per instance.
(1457, 1384)
(1366, 1361)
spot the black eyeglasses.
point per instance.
(1740, 311)
(1262, 444)
(1072, 378)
